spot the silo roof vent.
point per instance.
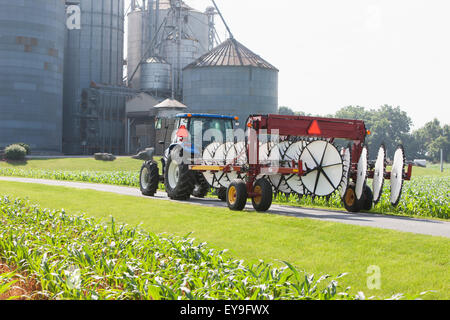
(231, 53)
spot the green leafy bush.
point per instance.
(15, 152)
(26, 146)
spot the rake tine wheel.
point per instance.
(220, 158)
(293, 153)
(277, 158)
(361, 173)
(347, 161)
(397, 176)
(325, 168)
(379, 172)
(208, 159)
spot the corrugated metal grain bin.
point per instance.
(231, 80)
(93, 53)
(31, 73)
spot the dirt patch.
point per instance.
(24, 289)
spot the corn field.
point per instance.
(422, 196)
(74, 257)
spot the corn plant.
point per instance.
(75, 257)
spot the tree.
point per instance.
(389, 126)
(431, 138)
(286, 111)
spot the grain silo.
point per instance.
(31, 73)
(156, 76)
(231, 80)
(151, 25)
(93, 54)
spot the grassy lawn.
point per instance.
(409, 263)
(73, 164)
(129, 164)
(432, 170)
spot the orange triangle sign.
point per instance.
(314, 129)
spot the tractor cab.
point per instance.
(191, 135)
(194, 132)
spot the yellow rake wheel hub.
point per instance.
(232, 195)
(350, 197)
(257, 199)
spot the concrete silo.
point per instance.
(31, 73)
(93, 54)
(231, 80)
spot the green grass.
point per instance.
(77, 164)
(433, 170)
(409, 263)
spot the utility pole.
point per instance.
(442, 160)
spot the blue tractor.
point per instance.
(189, 139)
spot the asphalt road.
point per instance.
(404, 224)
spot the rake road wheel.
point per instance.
(262, 202)
(201, 187)
(351, 202)
(222, 194)
(237, 195)
(367, 198)
(149, 178)
(178, 179)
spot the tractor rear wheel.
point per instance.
(237, 195)
(201, 187)
(262, 202)
(222, 194)
(178, 179)
(149, 178)
(351, 202)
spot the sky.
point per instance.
(333, 54)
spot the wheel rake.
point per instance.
(299, 155)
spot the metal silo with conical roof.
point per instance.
(31, 73)
(231, 80)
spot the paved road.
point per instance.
(405, 224)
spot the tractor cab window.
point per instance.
(210, 128)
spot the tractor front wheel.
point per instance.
(178, 179)
(149, 178)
